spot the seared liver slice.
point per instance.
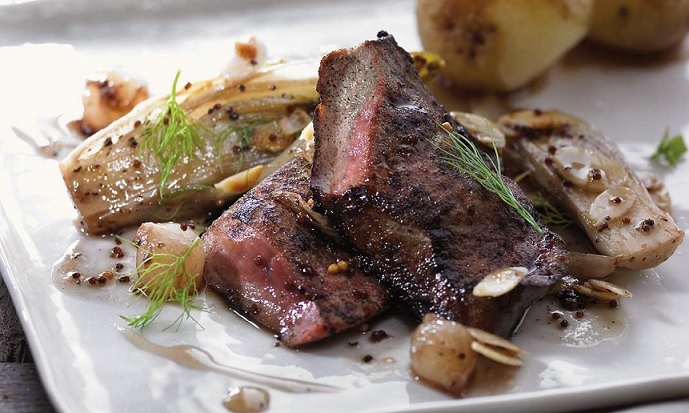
(272, 265)
(432, 231)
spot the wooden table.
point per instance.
(21, 390)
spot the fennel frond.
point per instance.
(171, 137)
(551, 215)
(461, 153)
(165, 279)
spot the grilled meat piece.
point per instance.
(432, 231)
(273, 266)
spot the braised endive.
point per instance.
(586, 175)
(161, 161)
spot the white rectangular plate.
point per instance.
(639, 351)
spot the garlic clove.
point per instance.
(600, 295)
(240, 182)
(493, 340)
(581, 167)
(496, 355)
(500, 282)
(612, 204)
(485, 131)
(602, 285)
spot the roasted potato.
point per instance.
(500, 45)
(639, 25)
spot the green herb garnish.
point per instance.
(172, 137)
(245, 132)
(163, 272)
(461, 153)
(670, 148)
(551, 215)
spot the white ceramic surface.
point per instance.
(639, 351)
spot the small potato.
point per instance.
(163, 258)
(639, 25)
(441, 354)
(500, 45)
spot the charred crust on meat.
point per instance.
(273, 269)
(380, 182)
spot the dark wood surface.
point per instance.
(21, 390)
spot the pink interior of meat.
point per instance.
(304, 324)
(263, 280)
(355, 167)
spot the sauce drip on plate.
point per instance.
(199, 359)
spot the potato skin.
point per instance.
(500, 45)
(639, 25)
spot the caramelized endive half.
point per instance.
(116, 177)
(586, 174)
